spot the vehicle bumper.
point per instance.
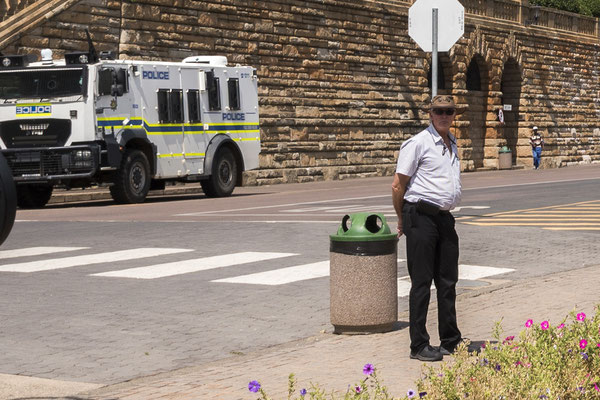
(53, 163)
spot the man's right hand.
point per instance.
(399, 228)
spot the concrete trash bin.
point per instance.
(504, 158)
(363, 275)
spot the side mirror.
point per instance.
(122, 80)
(105, 81)
(117, 90)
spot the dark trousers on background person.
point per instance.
(432, 255)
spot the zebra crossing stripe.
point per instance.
(98, 258)
(475, 272)
(465, 272)
(35, 251)
(283, 275)
(194, 265)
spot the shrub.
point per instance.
(543, 362)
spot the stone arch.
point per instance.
(510, 88)
(476, 96)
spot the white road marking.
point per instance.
(99, 258)
(35, 251)
(465, 272)
(474, 272)
(194, 265)
(283, 275)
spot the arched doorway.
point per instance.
(477, 99)
(511, 96)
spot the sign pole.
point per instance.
(434, 52)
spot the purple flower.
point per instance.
(584, 356)
(410, 394)
(544, 325)
(357, 389)
(302, 392)
(254, 386)
(528, 323)
(581, 317)
(368, 369)
(422, 394)
(498, 368)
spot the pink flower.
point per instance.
(357, 389)
(596, 387)
(581, 317)
(509, 339)
(598, 344)
(560, 326)
(544, 325)
(583, 343)
(528, 323)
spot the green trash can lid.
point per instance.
(504, 149)
(360, 227)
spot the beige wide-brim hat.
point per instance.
(443, 101)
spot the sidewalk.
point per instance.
(335, 361)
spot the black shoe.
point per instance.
(444, 351)
(427, 353)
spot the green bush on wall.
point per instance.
(584, 7)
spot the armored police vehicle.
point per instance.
(133, 125)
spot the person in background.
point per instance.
(537, 145)
(426, 187)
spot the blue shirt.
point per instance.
(434, 170)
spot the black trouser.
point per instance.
(432, 255)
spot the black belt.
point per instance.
(428, 208)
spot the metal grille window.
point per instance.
(214, 95)
(163, 105)
(176, 106)
(233, 88)
(193, 99)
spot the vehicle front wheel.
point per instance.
(33, 196)
(224, 175)
(132, 180)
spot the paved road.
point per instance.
(96, 292)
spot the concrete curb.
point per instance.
(60, 196)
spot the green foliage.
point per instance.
(584, 7)
(543, 362)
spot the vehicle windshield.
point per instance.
(42, 83)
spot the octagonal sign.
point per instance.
(451, 23)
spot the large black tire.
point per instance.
(33, 196)
(132, 179)
(8, 200)
(224, 175)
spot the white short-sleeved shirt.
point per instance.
(434, 171)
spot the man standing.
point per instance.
(537, 144)
(426, 187)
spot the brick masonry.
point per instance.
(342, 84)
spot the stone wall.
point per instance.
(341, 83)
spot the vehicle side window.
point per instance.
(193, 99)
(163, 105)
(233, 88)
(214, 94)
(176, 106)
